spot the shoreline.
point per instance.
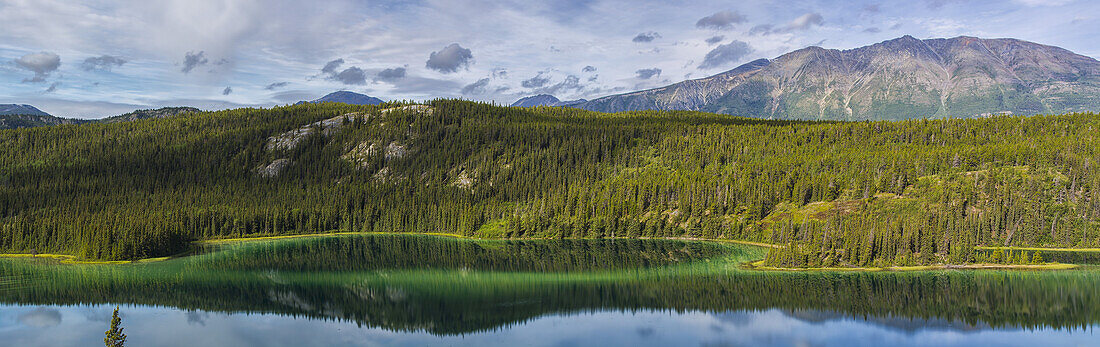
(758, 266)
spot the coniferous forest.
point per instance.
(830, 193)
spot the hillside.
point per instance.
(912, 192)
(29, 121)
(27, 116)
(162, 112)
(346, 97)
(545, 100)
(902, 78)
(17, 109)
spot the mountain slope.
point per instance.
(896, 79)
(12, 109)
(163, 112)
(350, 98)
(537, 100)
(26, 116)
(545, 100)
(12, 121)
(840, 193)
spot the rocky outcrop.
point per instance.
(273, 169)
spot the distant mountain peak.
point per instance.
(21, 109)
(901, 78)
(347, 97)
(163, 112)
(545, 100)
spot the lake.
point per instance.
(428, 290)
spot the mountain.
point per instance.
(837, 194)
(346, 97)
(545, 100)
(12, 121)
(27, 116)
(162, 112)
(896, 79)
(11, 109)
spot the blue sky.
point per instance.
(91, 59)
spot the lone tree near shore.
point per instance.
(115, 337)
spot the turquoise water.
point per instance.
(422, 290)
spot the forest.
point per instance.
(830, 193)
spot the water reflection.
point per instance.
(493, 289)
(415, 252)
(163, 326)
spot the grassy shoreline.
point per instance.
(759, 265)
(1041, 249)
(754, 265)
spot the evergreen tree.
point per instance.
(115, 337)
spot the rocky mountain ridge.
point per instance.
(896, 79)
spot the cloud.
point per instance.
(646, 74)
(1037, 3)
(589, 68)
(762, 29)
(571, 83)
(276, 85)
(197, 317)
(41, 317)
(449, 59)
(227, 90)
(330, 67)
(871, 8)
(646, 37)
(351, 76)
(476, 88)
(53, 87)
(42, 64)
(715, 39)
(720, 20)
(192, 60)
(499, 72)
(726, 54)
(536, 82)
(426, 87)
(102, 63)
(803, 22)
(391, 74)
(872, 30)
(935, 4)
(291, 96)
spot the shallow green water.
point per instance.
(434, 286)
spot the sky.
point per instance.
(91, 59)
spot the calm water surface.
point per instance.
(421, 290)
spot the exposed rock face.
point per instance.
(464, 180)
(274, 169)
(896, 79)
(395, 151)
(411, 108)
(289, 140)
